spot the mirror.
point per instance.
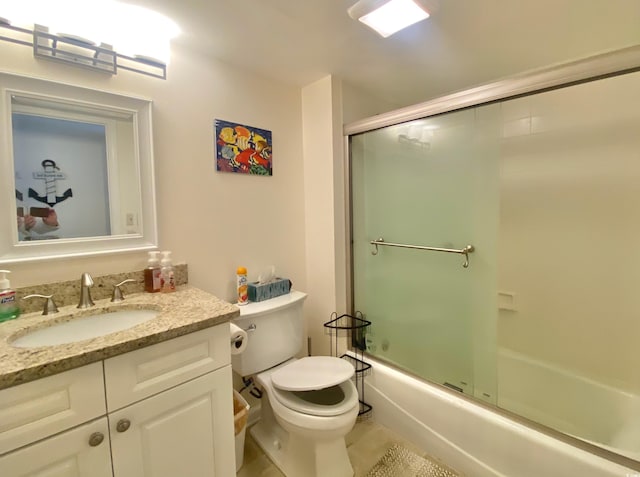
(76, 171)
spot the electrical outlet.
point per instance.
(130, 219)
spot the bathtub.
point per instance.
(471, 438)
(576, 405)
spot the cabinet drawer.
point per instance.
(32, 411)
(142, 373)
(66, 454)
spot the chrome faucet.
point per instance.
(49, 306)
(117, 295)
(86, 282)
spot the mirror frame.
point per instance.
(14, 251)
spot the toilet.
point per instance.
(308, 404)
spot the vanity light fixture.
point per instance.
(105, 35)
(387, 17)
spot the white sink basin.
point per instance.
(92, 326)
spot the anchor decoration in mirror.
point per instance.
(29, 227)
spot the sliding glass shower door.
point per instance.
(424, 183)
(544, 320)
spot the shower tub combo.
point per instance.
(530, 331)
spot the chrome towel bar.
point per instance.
(465, 251)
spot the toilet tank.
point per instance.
(275, 331)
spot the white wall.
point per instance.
(216, 222)
(357, 104)
(213, 221)
(324, 206)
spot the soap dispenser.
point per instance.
(167, 280)
(8, 306)
(152, 278)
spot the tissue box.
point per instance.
(264, 291)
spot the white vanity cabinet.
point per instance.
(162, 411)
(170, 408)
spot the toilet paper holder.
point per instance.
(249, 329)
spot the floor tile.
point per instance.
(366, 444)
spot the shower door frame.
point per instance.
(593, 68)
(619, 62)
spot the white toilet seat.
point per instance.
(332, 401)
(312, 373)
(315, 386)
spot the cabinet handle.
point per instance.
(123, 425)
(96, 439)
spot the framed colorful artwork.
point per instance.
(243, 149)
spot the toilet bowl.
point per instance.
(302, 429)
(309, 404)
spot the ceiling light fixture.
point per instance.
(387, 17)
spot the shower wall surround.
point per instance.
(545, 187)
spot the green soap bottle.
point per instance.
(8, 306)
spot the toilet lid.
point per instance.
(331, 401)
(312, 373)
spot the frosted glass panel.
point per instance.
(569, 225)
(418, 183)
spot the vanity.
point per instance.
(151, 400)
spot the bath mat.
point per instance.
(399, 461)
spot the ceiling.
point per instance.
(463, 44)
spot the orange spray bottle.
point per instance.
(243, 289)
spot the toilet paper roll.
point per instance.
(239, 339)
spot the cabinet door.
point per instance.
(69, 454)
(184, 431)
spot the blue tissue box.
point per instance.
(265, 291)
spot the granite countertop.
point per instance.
(186, 310)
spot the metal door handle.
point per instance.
(123, 425)
(96, 439)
